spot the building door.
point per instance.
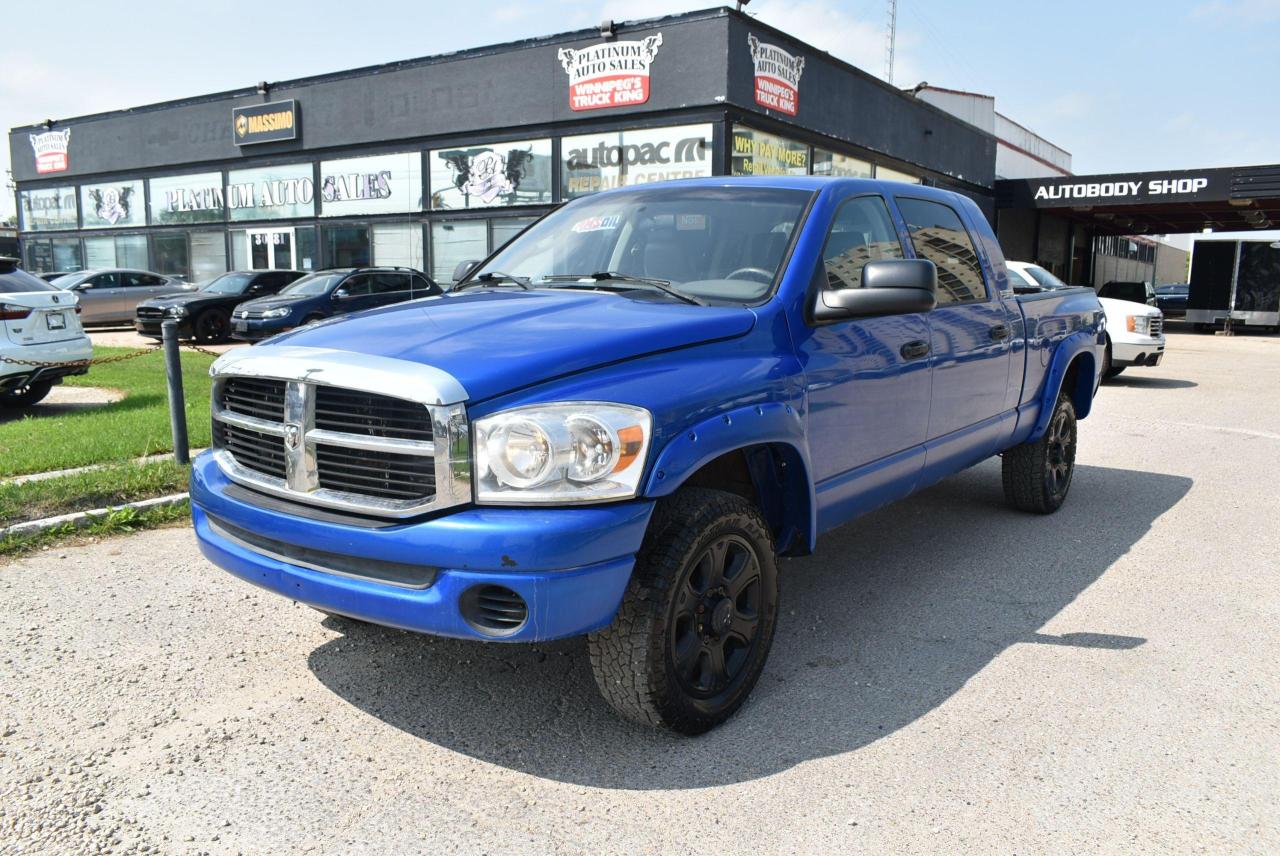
(271, 249)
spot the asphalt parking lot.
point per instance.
(948, 676)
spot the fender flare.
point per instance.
(774, 424)
(1082, 344)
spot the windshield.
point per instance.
(1173, 288)
(713, 243)
(229, 283)
(313, 284)
(1043, 278)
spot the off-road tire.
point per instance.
(212, 327)
(25, 396)
(634, 658)
(1037, 476)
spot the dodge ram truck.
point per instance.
(617, 423)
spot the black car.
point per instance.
(205, 315)
(326, 293)
(1171, 299)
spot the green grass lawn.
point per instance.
(114, 485)
(136, 426)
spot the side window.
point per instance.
(938, 235)
(862, 232)
(357, 286)
(149, 279)
(389, 283)
(106, 280)
(423, 287)
(132, 280)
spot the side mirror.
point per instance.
(889, 287)
(341, 294)
(464, 268)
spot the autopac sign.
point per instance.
(1133, 189)
(265, 123)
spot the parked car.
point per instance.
(1135, 336)
(1028, 278)
(326, 293)
(50, 276)
(617, 423)
(38, 323)
(111, 296)
(1171, 299)
(205, 314)
(1135, 292)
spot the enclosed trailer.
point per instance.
(1237, 280)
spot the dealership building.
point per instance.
(431, 161)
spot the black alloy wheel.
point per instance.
(1037, 476)
(213, 326)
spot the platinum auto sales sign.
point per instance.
(51, 150)
(777, 76)
(610, 74)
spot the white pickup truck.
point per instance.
(1135, 331)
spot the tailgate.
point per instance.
(40, 317)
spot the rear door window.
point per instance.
(938, 234)
(389, 283)
(105, 280)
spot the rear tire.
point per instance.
(694, 629)
(212, 327)
(25, 396)
(1037, 476)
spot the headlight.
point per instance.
(553, 453)
(176, 311)
(282, 312)
(1139, 323)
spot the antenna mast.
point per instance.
(891, 39)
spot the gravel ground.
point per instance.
(948, 676)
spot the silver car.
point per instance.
(110, 295)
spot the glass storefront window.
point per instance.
(595, 162)
(758, 153)
(208, 255)
(506, 229)
(456, 241)
(490, 175)
(38, 255)
(195, 198)
(841, 166)
(115, 204)
(346, 246)
(305, 236)
(381, 184)
(48, 209)
(271, 192)
(66, 254)
(398, 244)
(119, 251)
(58, 254)
(239, 250)
(884, 173)
(172, 257)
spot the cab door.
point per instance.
(970, 333)
(101, 298)
(867, 379)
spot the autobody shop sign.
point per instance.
(610, 74)
(777, 73)
(1121, 189)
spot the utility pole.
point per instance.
(890, 41)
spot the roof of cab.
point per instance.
(794, 182)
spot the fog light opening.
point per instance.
(493, 610)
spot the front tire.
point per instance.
(25, 396)
(1109, 370)
(212, 327)
(694, 629)
(1038, 475)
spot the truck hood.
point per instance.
(182, 298)
(497, 341)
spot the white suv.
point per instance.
(38, 323)
(1135, 331)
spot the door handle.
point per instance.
(914, 350)
(1000, 332)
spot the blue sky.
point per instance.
(1121, 85)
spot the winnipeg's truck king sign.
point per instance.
(610, 74)
(51, 150)
(777, 76)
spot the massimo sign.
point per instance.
(265, 123)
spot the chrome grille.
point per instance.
(341, 447)
(1157, 325)
(150, 312)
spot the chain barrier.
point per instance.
(102, 361)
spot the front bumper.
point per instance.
(570, 565)
(151, 327)
(257, 329)
(1137, 351)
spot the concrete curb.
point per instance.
(80, 519)
(53, 474)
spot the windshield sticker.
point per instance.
(777, 76)
(610, 74)
(597, 224)
(691, 223)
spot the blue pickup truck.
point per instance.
(618, 423)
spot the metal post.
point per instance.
(177, 401)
